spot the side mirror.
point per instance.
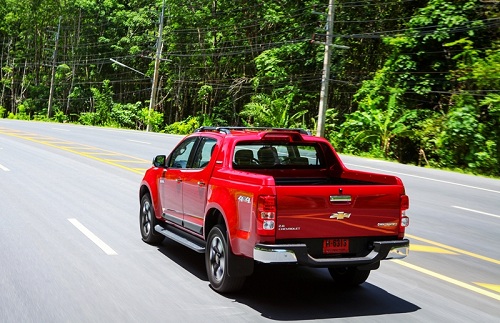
(159, 161)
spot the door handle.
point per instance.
(178, 180)
(201, 183)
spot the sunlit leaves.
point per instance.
(379, 123)
(272, 111)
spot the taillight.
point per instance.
(266, 215)
(405, 220)
(405, 202)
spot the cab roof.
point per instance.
(263, 133)
(232, 130)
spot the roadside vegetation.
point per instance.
(419, 82)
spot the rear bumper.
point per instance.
(297, 254)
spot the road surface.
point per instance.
(70, 246)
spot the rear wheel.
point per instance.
(348, 276)
(217, 262)
(148, 221)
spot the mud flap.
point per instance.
(239, 266)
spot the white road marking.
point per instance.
(140, 142)
(5, 169)
(101, 244)
(475, 211)
(427, 178)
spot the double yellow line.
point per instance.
(457, 250)
(446, 278)
(105, 156)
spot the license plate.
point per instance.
(335, 246)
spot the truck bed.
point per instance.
(312, 181)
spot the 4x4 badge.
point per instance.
(340, 215)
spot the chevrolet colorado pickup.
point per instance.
(244, 195)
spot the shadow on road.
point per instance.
(186, 258)
(296, 293)
(301, 293)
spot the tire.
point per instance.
(217, 262)
(348, 276)
(148, 221)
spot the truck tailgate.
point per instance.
(338, 211)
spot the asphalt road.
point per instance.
(70, 247)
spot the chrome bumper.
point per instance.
(297, 254)
(268, 255)
(398, 252)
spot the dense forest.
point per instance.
(410, 80)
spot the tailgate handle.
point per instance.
(340, 199)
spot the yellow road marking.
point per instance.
(457, 250)
(91, 152)
(122, 161)
(494, 287)
(103, 154)
(432, 249)
(449, 279)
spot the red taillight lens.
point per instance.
(405, 202)
(405, 220)
(266, 215)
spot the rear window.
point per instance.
(286, 155)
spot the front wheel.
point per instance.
(148, 221)
(348, 276)
(217, 262)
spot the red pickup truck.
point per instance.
(244, 195)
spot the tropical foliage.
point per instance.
(418, 76)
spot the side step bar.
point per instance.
(182, 237)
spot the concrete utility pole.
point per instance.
(52, 79)
(159, 46)
(323, 97)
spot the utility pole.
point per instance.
(323, 97)
(159, 46)
(53, 77)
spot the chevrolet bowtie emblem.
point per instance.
(340, 215)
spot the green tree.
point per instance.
(378, 125)
(438, 65)
(474, 120)
(266, 111)
(222, 59)
(103, 102)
